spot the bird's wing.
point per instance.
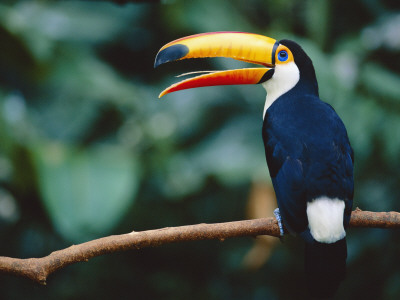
(288, 179)
(291, 194)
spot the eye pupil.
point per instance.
(282, 55)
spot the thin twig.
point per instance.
(38, 269)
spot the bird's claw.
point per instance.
(279, 219)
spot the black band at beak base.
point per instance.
(273, 52)
(268, 75)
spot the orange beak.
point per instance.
(248, 47)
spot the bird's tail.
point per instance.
(325, 266)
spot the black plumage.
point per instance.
(309, 156)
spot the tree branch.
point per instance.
(38, 269)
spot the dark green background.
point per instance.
(87, 149)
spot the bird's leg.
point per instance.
(279, 219)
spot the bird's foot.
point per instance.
(279, 219)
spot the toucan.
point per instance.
(308, 153)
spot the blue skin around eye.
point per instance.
(282, 55)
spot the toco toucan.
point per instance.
(307, 149)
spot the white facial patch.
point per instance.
(284, 79)
(325, 219)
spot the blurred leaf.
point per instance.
(381, 82)
(86, 191)
(391, 139)
(233, 153)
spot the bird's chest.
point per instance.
(289, 133)
(294, 121)
(297, 134)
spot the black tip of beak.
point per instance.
(171, 53)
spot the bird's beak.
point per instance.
(248, 47)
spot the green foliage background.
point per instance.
(87, 149)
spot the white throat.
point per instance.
(284, 79)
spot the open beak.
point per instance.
(248, 47)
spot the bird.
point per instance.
(307, 148)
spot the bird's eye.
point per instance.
(283, 55)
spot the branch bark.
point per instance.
(38, 269)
